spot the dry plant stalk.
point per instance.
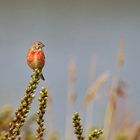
(77, 125)
(50, 117)
(135, 135)
(89, 107)
(25, 104)
(2, 135)
(95, 134)
(95, 87)
(5, 117)
(71, 97)
(110, 114)
(71, 83)
(121, 54)
(116, 90)
(42, 108)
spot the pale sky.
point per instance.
(69, 28)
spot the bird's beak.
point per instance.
(43, 46)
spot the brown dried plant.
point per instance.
(89, 106)
(42, 107)
(91, 93)
(121, 52)
(78, 127)
(71, 98)
(24, 107)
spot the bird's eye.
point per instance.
(38, 43)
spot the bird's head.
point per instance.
(37, 45)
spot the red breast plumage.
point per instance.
(36, 57)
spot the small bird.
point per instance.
(36, 57)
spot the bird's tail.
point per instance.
(42, 77)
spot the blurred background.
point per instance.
(77, 30)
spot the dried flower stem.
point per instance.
(77, 125)
(25, 104)
(91, 93)
(95, 134)
(71, 98)
(135, 135)
(121, 52)
(110, 114)
(41, 112)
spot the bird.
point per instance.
(36, 57)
